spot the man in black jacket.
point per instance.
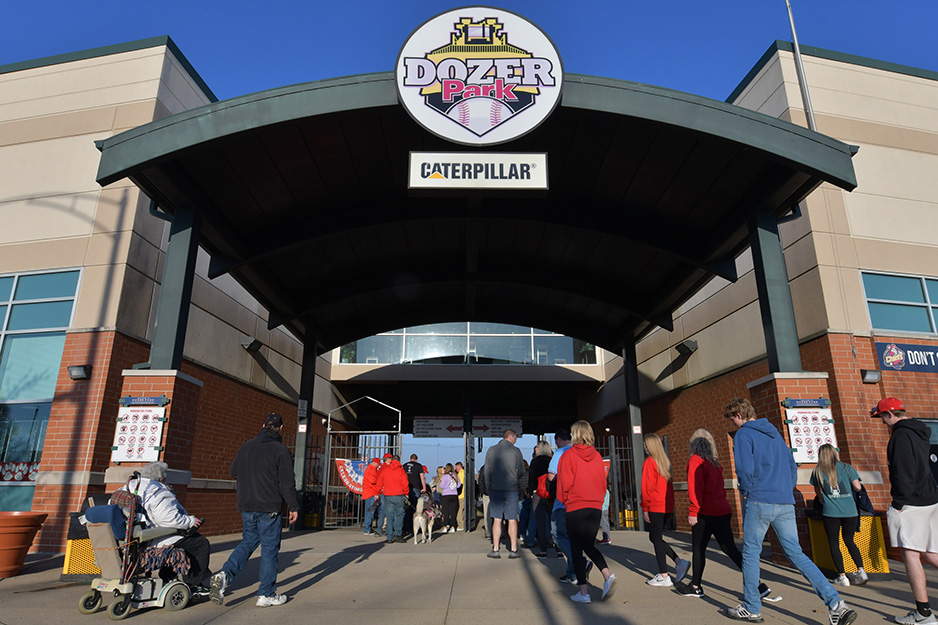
(913, 515)
(263, 470)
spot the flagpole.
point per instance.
(799, 69)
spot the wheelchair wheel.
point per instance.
(119, 609)
(177, 598)
(90, 602)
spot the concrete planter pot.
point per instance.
(17, 530)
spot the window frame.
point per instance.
(931, 308)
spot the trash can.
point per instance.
(79, 556)
(869, 540)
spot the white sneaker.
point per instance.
(578, 598)
(218, 584)
(660, 580)
(609, 587)
(840, 614)
(263, 602)
(841, 580)
(860, 578)
(452, 530)
(914, 618)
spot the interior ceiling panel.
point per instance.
(307, 206)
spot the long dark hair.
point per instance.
(702, 444)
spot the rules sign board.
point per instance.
(808, 429)
(139, 433)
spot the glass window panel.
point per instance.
(931, 285)
(933, 431)
(898, 288)
(553, 350)
(898, 317)
(6, 284)
(22, 431)
(439, 328)
(47, 285)
(504, 349)
(29, 365)
(35, 316)
(3, 316)
(422, 348)
(387, 349)
(482, 327)
(537, 331)
(584, 353)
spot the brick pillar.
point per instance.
(183, 392)
(766, 395)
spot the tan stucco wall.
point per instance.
(56, 216)
(886, 224)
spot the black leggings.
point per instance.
(848, 525)
(582, 526)
(655, 535)
(716, 527)
(450, 504)
(542, 517)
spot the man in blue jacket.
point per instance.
(767, 475)
(263, 470)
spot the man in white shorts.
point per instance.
(913, 515)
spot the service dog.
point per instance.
(427, 512)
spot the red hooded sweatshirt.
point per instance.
(581, 478)
(392, 480)
(705, 489)
(370, 481)
(657, 492)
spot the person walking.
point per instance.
(370, 495)
(834, 484)
(449, 497)
(504, 467)
(581, 487)
(657, 505)
(263, 471)
(558, 514)
(392, 481)
(540, 501)
(417, 482)
(709, 513)
(913, 516)
(767, 476)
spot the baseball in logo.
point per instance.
(479, 75)
(893, 357)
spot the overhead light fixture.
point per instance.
(251, 344)
(871, 376)
(686, 347)
(79, 372)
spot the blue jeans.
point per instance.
(524, 518)
(382, 513)
(757, 517)
(260, 528)
(395, 506)
(371, 512)
(558, 527)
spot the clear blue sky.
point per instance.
(704, 48)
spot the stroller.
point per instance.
(119, 557)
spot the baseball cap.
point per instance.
(376, 459)
(890, 404)
(273, 419)
(386, 456)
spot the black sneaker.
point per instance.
(687, 590)
(568, 580)
(764, 591)
(559, 554)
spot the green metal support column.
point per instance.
(778, 314)
(303, 412)
(630, 374)
(172, 312)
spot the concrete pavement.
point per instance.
(341, 576)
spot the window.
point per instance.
(35, 311)
(904, 303)
(475, 343)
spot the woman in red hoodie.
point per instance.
(581, 488)
(709, 513)
(657, 504)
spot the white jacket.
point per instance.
(162, 509)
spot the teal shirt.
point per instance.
(838, 501)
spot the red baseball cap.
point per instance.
(376, 460)
(890, 404)
(386, 456)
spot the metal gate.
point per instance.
(623, 498)
(341, 507)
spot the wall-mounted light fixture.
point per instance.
(871, 376)
(251, 344)
(79, 372)
(686, 347)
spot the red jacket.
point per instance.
(370, 481)
(392, 480)
(705, 488)
(581, 478)
(657, 492)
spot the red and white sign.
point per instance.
(138, 434)
(808, 429)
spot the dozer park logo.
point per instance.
(479, 76)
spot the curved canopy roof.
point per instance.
(304, 200)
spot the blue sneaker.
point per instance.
(680, 569)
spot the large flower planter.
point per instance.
(17, 530)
